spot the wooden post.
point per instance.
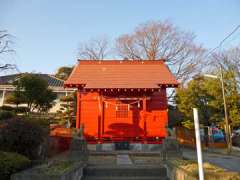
(78, 109)
(227, 129)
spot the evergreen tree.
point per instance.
(206, 95)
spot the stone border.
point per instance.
(74, 173)
(177, 173)
(78, 155)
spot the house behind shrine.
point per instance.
(122, 100)
(55, 84)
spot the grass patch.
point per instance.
(192, 166)
(189, 169)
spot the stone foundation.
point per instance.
(137, 147)
(78, 150)
(171, 149)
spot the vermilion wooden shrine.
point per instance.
(122, 100)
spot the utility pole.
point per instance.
(227, 128)
(226, 119)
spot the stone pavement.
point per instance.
(123, 159)
(228, 162)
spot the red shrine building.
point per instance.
(122, 100)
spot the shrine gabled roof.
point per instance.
(121, 74)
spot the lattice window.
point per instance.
(121, 111)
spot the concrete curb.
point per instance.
(218, 151)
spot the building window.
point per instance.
(121, 111)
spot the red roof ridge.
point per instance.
(83, 61)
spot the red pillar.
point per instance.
(100, 110)
(78, 109)
(144, 118)
(103, 109)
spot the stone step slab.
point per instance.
(125, 178)
(125, 171)
(123, 159)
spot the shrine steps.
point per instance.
(125, 172)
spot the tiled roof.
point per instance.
(121, 74)
(52, 81)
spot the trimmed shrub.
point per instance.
(22, 136)
(39, 121)
(7, 108)
(6, 114)
(19, 109)
(11, 163)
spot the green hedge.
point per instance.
(22, 136)
(11, 163)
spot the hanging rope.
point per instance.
(116, 104)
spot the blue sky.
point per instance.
(48, 32)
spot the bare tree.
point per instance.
(5, 48)
(232, 60)
(4, 42)
(162, 40)
(94, 49)
(229, 59)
